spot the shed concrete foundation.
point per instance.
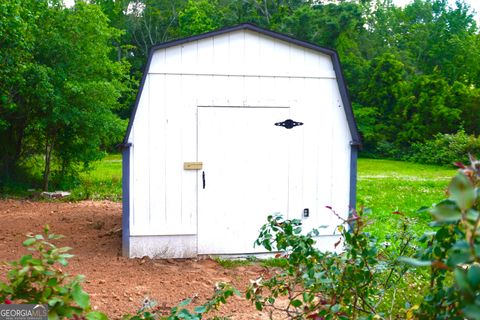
(163, 247)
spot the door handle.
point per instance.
(203, 179)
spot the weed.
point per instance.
(274, 263)
(232, 263)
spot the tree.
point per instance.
(149, 22)
(65, 97)
(199, 16)
(425, 110)
(378, 97)
(15, 42)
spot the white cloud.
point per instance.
(68, 3)
(474, 4)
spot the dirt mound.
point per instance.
(118, 285)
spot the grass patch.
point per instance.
(103, 181)
(233, 263)
(267, 263)
(387, 186)
(274, 263)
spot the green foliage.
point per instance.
(38, 278)
(345, 285)
(425, 110)
(63, 90)
(452, 251)
(429, 92)
(445, 149)
(199, 16)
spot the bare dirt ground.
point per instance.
(118, 285)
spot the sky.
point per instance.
(474, 4)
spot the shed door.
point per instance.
(244, 177)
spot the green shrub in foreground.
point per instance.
(452, 252)
(352, 284)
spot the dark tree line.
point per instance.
(69, 76)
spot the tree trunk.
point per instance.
(6, 167)
(48, 160)
(11, 149)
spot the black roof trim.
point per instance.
(280, 36)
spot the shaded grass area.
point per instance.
(387, 186)
(15, 189)
(104, 181)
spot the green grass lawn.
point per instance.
(386, 186)
(104, 181)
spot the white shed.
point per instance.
(229, 127)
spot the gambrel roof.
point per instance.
(356, 141)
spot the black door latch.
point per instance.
(289, 124)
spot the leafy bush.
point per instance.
(453, 251)
(326, 285)
(445, 149)
(38, 278)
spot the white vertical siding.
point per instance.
(242, 53)
(341, 153)
(157, 154)
(241, 68)
(189, 55)
(139, 163)
(189, 154)
(205, 61)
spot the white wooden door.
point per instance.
(244, 177)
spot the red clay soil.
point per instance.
(118, 285)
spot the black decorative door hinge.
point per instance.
(289, 124)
